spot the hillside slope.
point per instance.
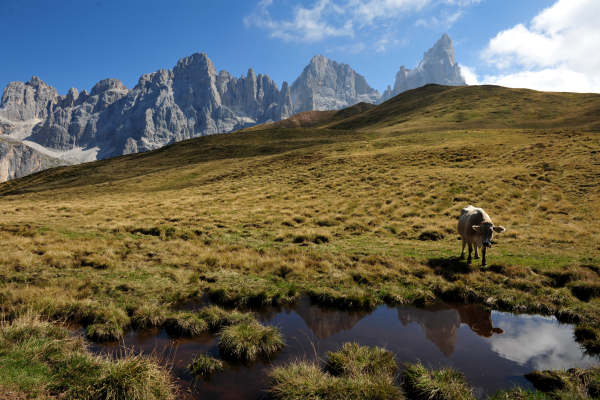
(431, 107)
(348, 217)
(477, 107)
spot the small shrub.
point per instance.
(205, 365)
(247, 341)
(185, 323)
(445, 384)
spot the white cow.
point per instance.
(476, 229)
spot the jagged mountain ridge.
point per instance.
(167, 106)
(437, 66)
(327, 85)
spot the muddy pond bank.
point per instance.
(493, 349)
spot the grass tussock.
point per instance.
(444, 384)
(185, 323)
(148, 316)
(573, 383)
(519, 394)
(217, 317)
(43, 360)
(247, 341)
(349, 374)
(104, 332)
(133, 377)
(205, 366)
(353, 359)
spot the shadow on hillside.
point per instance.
(449, 267)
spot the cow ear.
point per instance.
(499, 229)
(475, 228)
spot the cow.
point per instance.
(476, 229)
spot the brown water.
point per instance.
(493, 349)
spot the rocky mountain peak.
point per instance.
(441, 52)
(196, 63)
(328, 85)
(22, 101)
(108, 84)
(437, 66)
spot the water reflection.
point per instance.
(441, 322)
(324, 322)
(538, 341)
(492, 349)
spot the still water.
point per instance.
(493, 349)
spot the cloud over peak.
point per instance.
(317, 20)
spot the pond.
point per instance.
(493, 349)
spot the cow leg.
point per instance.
(462, 253)
(470, 250)
(476, 254)
(483, 250)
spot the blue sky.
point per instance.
(75, 43)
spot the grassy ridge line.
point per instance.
(478, 107)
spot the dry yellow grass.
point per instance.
(264, 216)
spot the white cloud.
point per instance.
(550, 79)
(469, 75)
(558, 50)
(323, 19)
(367, 12)
(445, 20)
(307, 24)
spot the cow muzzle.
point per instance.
(487, 244)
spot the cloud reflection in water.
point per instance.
(539, 341)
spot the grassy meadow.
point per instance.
(353, 209)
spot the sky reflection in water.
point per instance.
(492, 349)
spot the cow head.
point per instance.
(486, 231)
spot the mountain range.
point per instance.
(40, 129)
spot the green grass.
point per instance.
(353, 359)
(350, 373)
(444, 384)
(43, 360)
(185, 323)
(247, 341)
(205, 366)
(148, 316)
(217, 317)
